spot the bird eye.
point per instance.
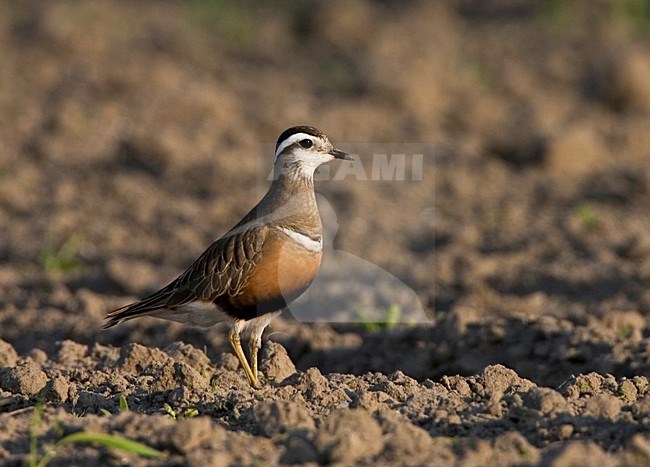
(306, 143)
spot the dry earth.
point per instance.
(133, 133)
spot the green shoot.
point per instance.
(33, 433)
(391, 319)
(82, 437)
(124, 405)
(62, 259)
(587, 215)
(189, 412)
(625, 332)
(170, 411)
(100, 439)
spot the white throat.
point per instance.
(301, 163)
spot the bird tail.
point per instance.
(147, 306)
(115, 317)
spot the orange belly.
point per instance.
(283, 273)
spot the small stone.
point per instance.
(27, 379)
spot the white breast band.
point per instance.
(303, 240)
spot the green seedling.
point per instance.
(124, 405)
(103, 440)
(60, 260)
(584, 388)
(190, 412)
(587, 216)
(389, 320)
(625, 332)
(83, 437)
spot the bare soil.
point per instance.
(134, 133)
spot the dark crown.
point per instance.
(310, 130)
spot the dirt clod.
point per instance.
(278, 417)
(298, 450)
(56, 390)
(70, 352)
(27, 378)
(135, 358)
(627, 391)
(275, 362)
(574, 453)
(349, 436)
(497, 379)
(188, 354)
(8, 356)
(173, 375)
(547, 401)
(188, 434)
(604, 406)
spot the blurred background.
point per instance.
(130, 136)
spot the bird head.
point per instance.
(301, 149)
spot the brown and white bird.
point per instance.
(268, 259)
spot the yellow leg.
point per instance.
(253, 348)
(235, 342)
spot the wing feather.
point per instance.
(223, 269)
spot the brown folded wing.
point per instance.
(223, 269)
